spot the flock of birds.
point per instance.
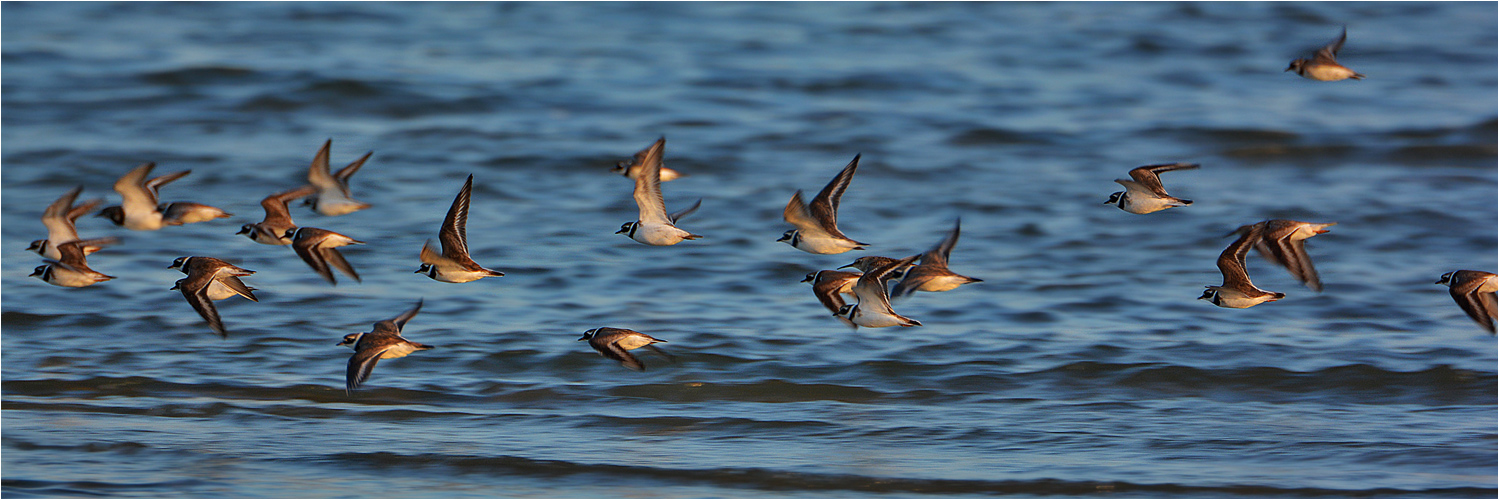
(815, 231)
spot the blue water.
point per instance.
(1081, 366)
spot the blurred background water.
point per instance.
(1081, 366)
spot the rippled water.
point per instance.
(1081, 366)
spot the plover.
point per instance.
(454, 265)
(817, 224)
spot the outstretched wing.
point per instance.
(361, 364)
(1329, 53)
(648, 186)
(454, 232)
(1231, 261)
(615, 352)
(1149, 176)
(195, 290)
(824, 207)
(937, 256)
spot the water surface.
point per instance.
(1081, 366)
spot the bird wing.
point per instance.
(676, 216)
(1277, 244)
(399, 322)
(318, 174)
(275, 207)
(454, 232)
(1231, 261)
(155, 184)
(429, 256)
(1149, 176)
(132, 188)
(648, 186)
(613, 351)
(307, 249)
(1477, 304)
(195, 289)
(1329, 53)
(343, 174)
(361, 364)
(827, 290)
(232, 282)
(797, 214)
(871, 287)
(912, 280)
(336, 260)
(59, 219)
(824, 207)
(938, 255)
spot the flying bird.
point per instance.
(1323, 66)
(382, 342)
(454, 265)
(817, 224)
(655, 226)
(1145, 194)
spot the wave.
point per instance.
(782, 480)
(876, 381)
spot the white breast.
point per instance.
(823, 245)
(659, 234)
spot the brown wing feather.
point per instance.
(275, 207)
(938, 255)
(1231, 261)
(343, 174)
(1329, 53)
(336, 260)
(454, 232)
(824, 206)
(826, 289)
(1149, 176)
(648, 185)
(195, 290)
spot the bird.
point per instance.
(1283, 242)
(71, 270)
(139, 209)
(1475, 292)
(209, 279)
(616, 343)
(1237, 291)
(384, 341)
(1145, 194)
(273, 230)
(333, 196)
(828, 286)
(185, 212)
(319, 249)
(1323, 66)
(655, 226)
(868, 262)
(932, 274)
(631, 169)
(817, 224)
(59, 217)
(873, 309)
(454, 265)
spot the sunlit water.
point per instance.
(1081, 366)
